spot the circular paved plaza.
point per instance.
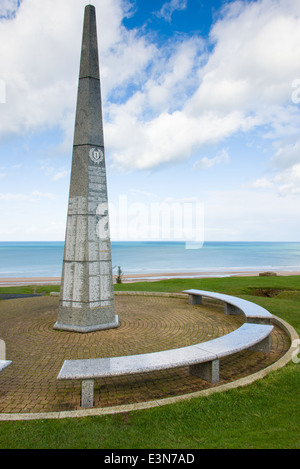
(147, 324)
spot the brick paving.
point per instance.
(147, 324)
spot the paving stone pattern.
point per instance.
(147, 324)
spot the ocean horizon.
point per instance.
(45, 258)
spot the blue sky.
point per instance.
(200, 104)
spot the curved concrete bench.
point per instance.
(202, 359)
(233, 305)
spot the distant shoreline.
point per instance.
(147, 277)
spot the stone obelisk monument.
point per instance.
(87, 296)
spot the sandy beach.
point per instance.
(147, 277)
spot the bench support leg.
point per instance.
(208, 371)
(87, 393)
(230, 309)
(2, 350)
(195, 300)
(264, 346)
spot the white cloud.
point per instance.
(168, 8)
(205, 162)
(139, 192)
(42, 195)
(244, 214)
(289, 181)
(174, 76)
(181, 97)
(261, 183)
(32, 197)
(245, 84)
(40, 62)
(61, 175)
(254, 61)
(2, 92)
(285, 183)
(183, 200)
(166, 139)
(284, 169)
(37, 229)
(287, 154)
(8, 8)
(13, 197)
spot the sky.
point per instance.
(201, 108)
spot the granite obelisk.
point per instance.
(87, 296)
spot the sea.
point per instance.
(44, 259)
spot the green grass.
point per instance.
(262, 415)
(230, 285)
(31, 289)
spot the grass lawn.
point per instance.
(262, 415)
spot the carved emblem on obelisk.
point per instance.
(96, 155)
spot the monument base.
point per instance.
(81, 317)
(85, 329)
